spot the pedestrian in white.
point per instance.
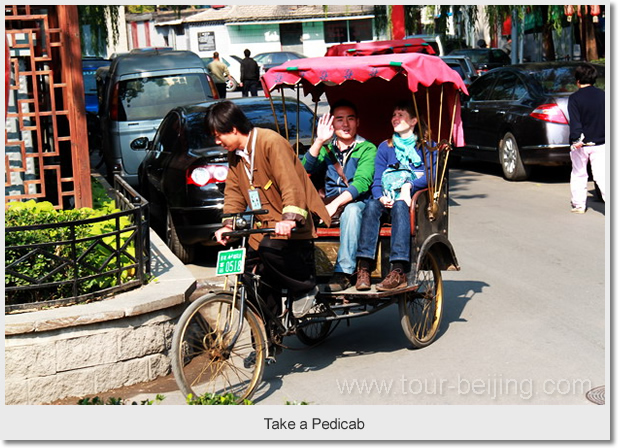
(587, 136)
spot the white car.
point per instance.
(233, 65)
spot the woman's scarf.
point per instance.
(405, 150)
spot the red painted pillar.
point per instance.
(398, 21)
(7, 75)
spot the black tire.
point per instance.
(313, 333)
(201, 362)
(184, 252)
(231, 85)
(510, 159)
(421, 310)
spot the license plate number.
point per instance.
(230, 262)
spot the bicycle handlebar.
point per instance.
(247, 232)
(261, 211)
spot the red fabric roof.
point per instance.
(375, 84)
(413, 45)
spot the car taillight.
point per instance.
(549, 112)
(113, 107)
(207, 174)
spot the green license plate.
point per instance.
(230, 262)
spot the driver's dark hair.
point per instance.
(224, 116)
(586, 73)
(344, 103)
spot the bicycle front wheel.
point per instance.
(204, 360)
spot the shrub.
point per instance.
(118, 401)
(51, 262)
(211, 399)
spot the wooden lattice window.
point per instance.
(46, 140)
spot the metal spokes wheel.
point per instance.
(314, 332)
(203, 360)
(421, 310)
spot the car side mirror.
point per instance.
(140, 144)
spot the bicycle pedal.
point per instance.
(270, 360)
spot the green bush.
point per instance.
(118, 401)
(211, 399)
(49, 264)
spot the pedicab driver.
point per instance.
(265, 173)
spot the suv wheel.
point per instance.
(231, 85)
(510, 159)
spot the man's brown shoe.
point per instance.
(363, 280)
(338, 282)
(395, 279)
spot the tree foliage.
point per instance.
(98, 17)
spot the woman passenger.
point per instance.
(399, 173)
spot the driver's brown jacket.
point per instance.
(284, 186)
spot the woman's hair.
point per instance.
(421, 126)
(224, 116)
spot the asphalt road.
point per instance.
(524, 319)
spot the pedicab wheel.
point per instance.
(314, 332)
(202, 359)
(421, 310)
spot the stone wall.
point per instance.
(88, 349)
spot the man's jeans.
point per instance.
(579, 172)
(400, 230)
(349, 229)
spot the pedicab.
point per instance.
(224, 339)
(413, 45)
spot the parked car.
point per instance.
(435, 40)
(517, 116)
(183, 174)
(484, 59)
(462, 65)
(233, 65)
(271, 59)
(90, 64)
(135, 92)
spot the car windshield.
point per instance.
(151, 98)
(562, 79)
(475, 56)
(261, 116)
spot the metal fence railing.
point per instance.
(85, 260)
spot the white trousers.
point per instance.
(579, 173)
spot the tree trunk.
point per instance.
(588, 39)
(548, 38)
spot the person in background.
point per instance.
(481, 43)
(399, 173)
(249, 75)
(220, 74)
(587, 136)
(264, 172)
(347, 164)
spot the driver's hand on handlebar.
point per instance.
(284, 228)
(219, 235)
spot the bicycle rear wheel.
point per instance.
(421, 310)
(202, 359)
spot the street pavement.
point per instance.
(524, 320)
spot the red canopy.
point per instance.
(375, 84)
(413, 45)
